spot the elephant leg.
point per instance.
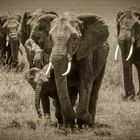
(94, 94)
(73, 95)
(45, 104)
(3, 56)
(58, 113)
(86, 83)
(138, 71)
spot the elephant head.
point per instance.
(74, 38)
(35, 54)
(128, 26)
(11, 28)
(40, 31)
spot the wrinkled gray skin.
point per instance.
(3, 48)
(36, 56)
(128, 27)
(80, 40)
(44, 88)
(11, 30)
(34, 36)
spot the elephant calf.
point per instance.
(43, 87)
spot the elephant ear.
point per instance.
(94, 34)
(24, 29)
(136, 16)
(19, 18)
(3, 19)
(118, 18)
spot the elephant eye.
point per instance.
(74, 37)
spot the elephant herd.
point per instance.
(67, 56)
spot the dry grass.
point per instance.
(115, 119)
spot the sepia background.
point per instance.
(115, 119)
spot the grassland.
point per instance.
(116, 119)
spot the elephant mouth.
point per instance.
(13, 36)
(128, 42)
(37, 64)
(69, 65)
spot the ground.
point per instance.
(116, 119)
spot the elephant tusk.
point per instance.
(49, 68)
(130, 52)
(116, 52)
(7, 40)
(68, 69)
(7, 43)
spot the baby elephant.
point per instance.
(44, 88)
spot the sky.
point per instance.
(79, 6)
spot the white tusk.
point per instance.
(49, 68)
(116, 52)
(68, 69)
(130, 52)
(7, 40)
(7, 43)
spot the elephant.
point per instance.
(79, 48)
(45, 87)
(11, 38)
(2, 40)
(34, 36)
(37, 57)
(128, 34)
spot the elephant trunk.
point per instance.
(60, 65)
(14, 49)
(38, 88)
(127, 69)
(37, 63)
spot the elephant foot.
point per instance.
(129, 98)
(84, 119)
(69, 124)
(130, 95)
(47, 118)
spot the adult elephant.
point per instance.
(2, 40)
(79, 46)
(128, 30)
(11, 32)
(34, 35)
